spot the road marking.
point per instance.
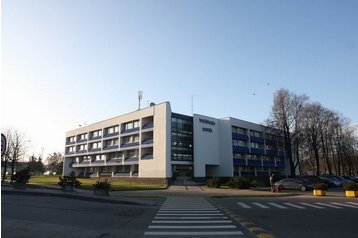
(192, 233)
(189, 214)
(179, 212)
(192, 222)
(353, 203)
(344, 205)
(311, 205)
(193, 227)
(243, 205)
(277, 205)
(328, 205)
(260, 205)
(294, 205)
(187, 209)
(194, 218)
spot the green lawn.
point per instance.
(117, 184)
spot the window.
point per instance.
(239, 156)
(131, 125)
(182, 137)
(257, 145)
(95, 134)
(255, 133)
(96, 145)
(239, 130)
(239, 143)
(112, 130)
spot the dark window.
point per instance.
(182, 137)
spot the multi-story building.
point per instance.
(156, 143)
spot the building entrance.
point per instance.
(182, 171)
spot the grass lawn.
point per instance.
(117, 184)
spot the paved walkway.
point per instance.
(143, 196)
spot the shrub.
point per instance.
(350, 186)
(256, 183)
(23, 176)
(320, 186)
(69, 179)
(213, 182)
(239, 183)
(102, 185)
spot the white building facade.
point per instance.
(155, 143)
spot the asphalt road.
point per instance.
(43, 216)
(303, 216)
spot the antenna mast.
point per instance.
(140, 95)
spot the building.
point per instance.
(155, 143)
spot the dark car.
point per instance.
(295, 184)
(316, 179)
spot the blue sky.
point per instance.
(66, 63)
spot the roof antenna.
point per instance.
(140, 96)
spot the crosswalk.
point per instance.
(194, 217)
(297, 205)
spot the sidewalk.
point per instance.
(148, 197)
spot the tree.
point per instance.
(36, 166)
(15, 150)
(55, 162)
(286, 116)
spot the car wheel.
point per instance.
(303, 188)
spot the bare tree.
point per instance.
(286, 116)
(15, 149)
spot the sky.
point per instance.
(69, 63)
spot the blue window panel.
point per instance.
(257, 139)
(240, 149)
(257, 151)
(271, 152)
(240, 162)
(242, 137)
(280, 164)
(269, 163)
(254, 162)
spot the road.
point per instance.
(302, 216)
(37, 216)
(44, 216)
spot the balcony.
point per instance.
(257, 139)
(240, 149)
(147, 156)
(240, 162)
(111, 135)
(257, 151)
(129, 145)
(269, 163)
(242, 137)
(111, 147)
(81, 151)
(254, 162)
(130, 131)
(96, 138)
(148, 125)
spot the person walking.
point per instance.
(272, 182)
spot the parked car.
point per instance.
(337, 182)
(330, 182)
(316, 179)
(295, 184)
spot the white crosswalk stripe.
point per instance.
(344, 205)
(260, 205)
(328, 205)
(300, 205)
(294, 205)
(191, 217)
